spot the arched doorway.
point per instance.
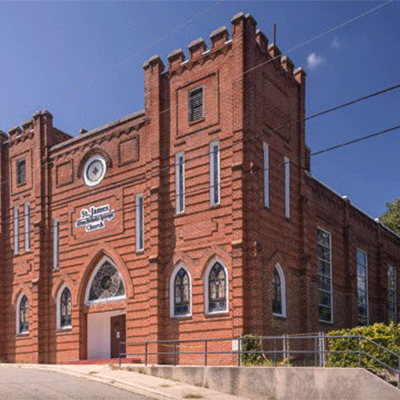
(105, 301)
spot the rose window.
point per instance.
(107, 283)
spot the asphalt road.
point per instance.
(30, 384)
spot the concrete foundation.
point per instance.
(284, 383)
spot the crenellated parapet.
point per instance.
(220, 42)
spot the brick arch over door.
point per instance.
(95, 257)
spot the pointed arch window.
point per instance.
(23, 315)
(105, 284)
(278, 292)
(216, 289)
(181, 293)
(64, 308)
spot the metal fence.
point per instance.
(294, 350)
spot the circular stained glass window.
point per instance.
(106, 284)
(94, 171)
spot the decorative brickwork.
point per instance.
(249, 102)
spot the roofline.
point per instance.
(344, 198)
(93, 132)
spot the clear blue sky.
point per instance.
(77, 59)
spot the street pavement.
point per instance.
(31, 384)
(94, 382)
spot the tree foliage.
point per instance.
(391, 217)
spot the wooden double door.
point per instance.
(118, 334)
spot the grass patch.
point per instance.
(93, 372)
(165, 385)
(113, 367)
(192, 396)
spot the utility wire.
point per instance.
(324, 33)
(143, 49)
(257, 135)
(172, 194)
(313, 116)
(338, 146)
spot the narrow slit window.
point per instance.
(266, 174)
(287, 187)
(56, 243)
(196, 104)
(180, 182)
(27, 220)
(214, 173)
(16, 229)
(139, 222)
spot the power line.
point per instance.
(295, 122)
(172, 195)
(325, 33)
(143, 49)
(355, 140)
(206, 145)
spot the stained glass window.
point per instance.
(65, 308)
(23, 315)
(106, 284)
(217, 289)
(277, 293)
(182, 293)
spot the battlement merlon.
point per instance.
(243, 25)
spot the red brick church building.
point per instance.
(196, 217)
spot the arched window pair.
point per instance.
(278, 292)
(216, 285)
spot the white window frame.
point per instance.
(60, 291)
(215, 178)
(16, 229)
(27, 223)
(395, 321)
(56, 244)
(283, 291)
(139, 221)
(179, 179)
(330, 276)
(266, 173)
(104, 260)
(287, 186)
(17, 320)
(172, 292)
(366, 285)
(87, 165)
(207, 288)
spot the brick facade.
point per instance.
(248, 98)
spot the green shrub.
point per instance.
(252, 345)
(387, 336)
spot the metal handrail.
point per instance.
(319, 348)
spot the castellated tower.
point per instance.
(194, 218)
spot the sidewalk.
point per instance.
(143, 384)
